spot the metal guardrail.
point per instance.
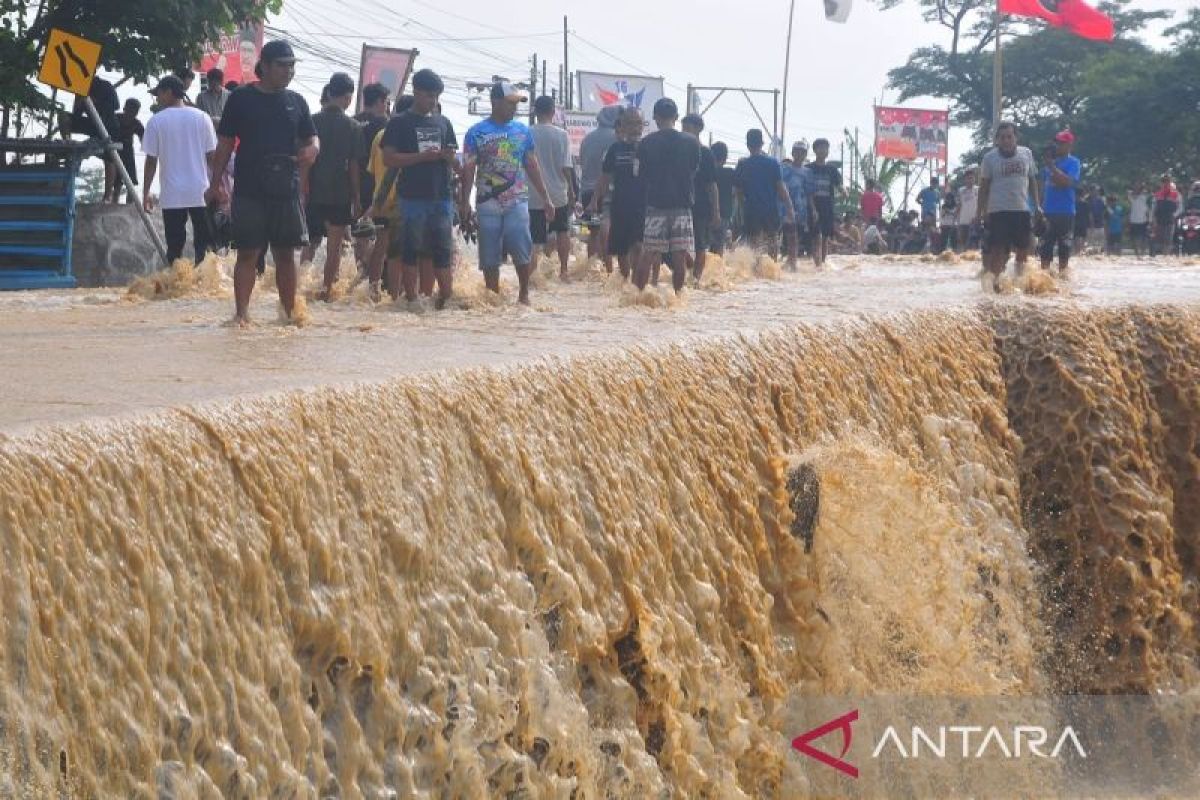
(37, 212)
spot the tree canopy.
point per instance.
(140, 38)
(1131, 106)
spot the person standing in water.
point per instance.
(667, 160)
(501, 163)
(620, 178)
(1009, 184)
(826, 183)
(1061, 175)
(553, 148)
(706, 207)
(276, 140)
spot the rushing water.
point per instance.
(579, 578)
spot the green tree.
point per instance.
(140, 38)
(1106, 92)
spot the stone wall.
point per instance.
(111, 246)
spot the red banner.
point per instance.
(387, 65)
(912, 134)
(235, 54)
(1074, 15)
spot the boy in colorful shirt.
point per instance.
(500, 162)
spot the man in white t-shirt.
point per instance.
(182, 138)
(1139, 217)
(968, 208)
(553, 149)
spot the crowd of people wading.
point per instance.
(250, 167)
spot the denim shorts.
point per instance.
(428, 230)
(504, 230)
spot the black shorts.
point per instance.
(824, 222)
(1081, 225)
(1139, 230)
(322, 214)
(627, 229)
(702, 228)
(755, 224)
(537, 223)
(257, 223)
(1057, 233)
(1009, 230)
(394, 230)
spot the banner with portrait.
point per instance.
(235, 54)
(390, 66)
(912, 134)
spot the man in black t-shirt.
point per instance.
(376, 99)
(335, 180)
(275, 140)
(706, 208)
(725, 184)
(421, 142)
(620, 178)
(667, 161)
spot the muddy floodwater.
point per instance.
(597, 548)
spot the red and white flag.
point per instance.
(1074, 15)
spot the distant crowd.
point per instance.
(250, 167)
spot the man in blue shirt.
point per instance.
(1061, 179)
(796, 179)
(929, 198)
(758, 181)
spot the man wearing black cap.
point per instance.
(334, 181)
(668, 160)
(501, 163)
(706, 208)
(553, 149)
(180, 139)
(422, 144)
(276, 140)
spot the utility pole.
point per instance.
(997, 75)
(568, 91)
(545, 83)
(533, 84)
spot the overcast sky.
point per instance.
(838, 71)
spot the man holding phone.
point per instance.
(422, 144)
(1061, 178)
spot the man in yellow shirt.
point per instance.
(385, 212)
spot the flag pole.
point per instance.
(787, 69)
(997, 75)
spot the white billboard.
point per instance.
(599, 89)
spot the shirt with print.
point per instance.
(824, 179)
(706, 176)
(626, 186)
(386, 206)
(1008, 178)
(501, 153)
(757, 176)
(668, 160)
(552, 146)
(411, 132)
(341, 143)
(265, 124)
(1060, 199)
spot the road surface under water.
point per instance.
(86, 353)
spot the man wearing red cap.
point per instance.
(1060, 178)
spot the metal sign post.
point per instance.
(110, 149)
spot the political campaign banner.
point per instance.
(578, 125)
(235, 54)
(598, 90)
(390, 66)
(911, 134)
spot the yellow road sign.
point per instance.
(69, 63)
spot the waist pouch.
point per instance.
(279, 178)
